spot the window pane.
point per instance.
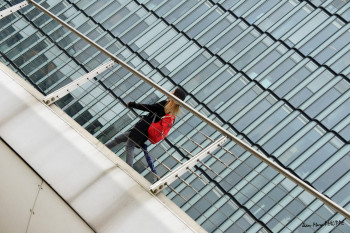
(335, 172)
(315, 160)
(194, 15)
(204, 23)
(255, 52)
(321, 37)
(227, 38)
(261, 10)
(291, 21)
(232, 51)
(307, 28)
(276, 15)
(268, 124)
(280, 70)
(216, 30)
(299, 147)
(283, 135)
(333, 48)
(293, 81)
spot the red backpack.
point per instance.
(159, 130)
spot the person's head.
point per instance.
(172, 107)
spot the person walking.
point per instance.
(138, 135)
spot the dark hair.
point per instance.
(171, 106)
(179, 93)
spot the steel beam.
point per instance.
(12, 9)
(54, 96)
(171, 177)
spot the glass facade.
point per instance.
(275, 73)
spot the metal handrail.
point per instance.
(223, 131)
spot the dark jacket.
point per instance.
(139, 132)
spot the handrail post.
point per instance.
(172, 176)
(56, 95)
(13, 9)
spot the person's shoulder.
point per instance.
(163, 102)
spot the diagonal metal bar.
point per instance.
(171, 177)
(210, 122)
(54, 96)
(13, 9)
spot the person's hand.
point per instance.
(127, 104)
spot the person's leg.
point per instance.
(118, 139)
(130, 146)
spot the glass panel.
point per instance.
(227, 37)
(158, 43)
(345, 133)
(216, 30)
(342, 197)
(335, 5)
(253, 53)
(204, 23)
(128, 22)
(320, 104)
(138, 29)
(226, 94)
(180, 59)
(254, 186)
(220, 215)
(148, 36)
(116, 17)
(268, 124)
(240, 45)
(321, 37)
(190, 67)
(151, 4)
(229, 3)
(333, 174)
(180, 10)
(252, 115)
(283, 135)
(269, 200)
(318, 2)
(315, 160)
(243, 7)
(346, 14)
(203, 75)
(211, 87)
(241, 171)
(261, 10)
(98, 5)
(299, 147)
(342, 63)
(166, 7)
(293, 20)
(239, 104)
(311, 88)
(194, 15)
(307, 28)
(265, 62)
(280, 70)
(333, 48)
(276, 15)
(295, 79)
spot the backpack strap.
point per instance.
(172, 117)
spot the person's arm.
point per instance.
(147, 107)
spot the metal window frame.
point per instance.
(216, 126)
